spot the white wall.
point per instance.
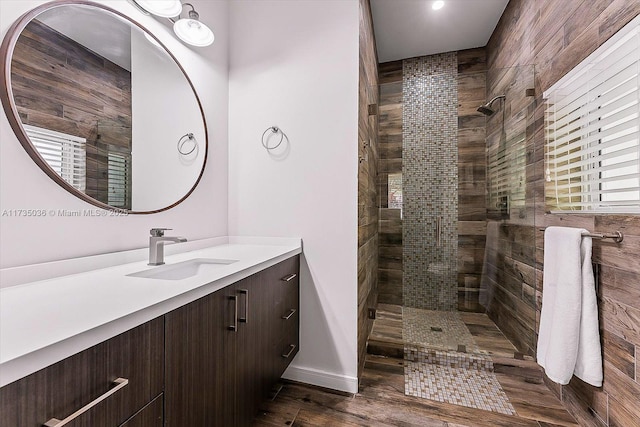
(294, 64)
(157, 128)
(26, 240)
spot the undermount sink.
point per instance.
(182, 270)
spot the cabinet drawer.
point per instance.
(285, 282)
(287, 348)
(73, 383)
(149, 416)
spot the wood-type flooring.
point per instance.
(381, 400)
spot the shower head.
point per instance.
(486, 108)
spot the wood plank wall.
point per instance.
(367, 180)
(471, 178)
(60, 85)
(555, 36)
(390, 139)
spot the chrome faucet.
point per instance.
(156, 245)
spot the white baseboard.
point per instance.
(322, 379)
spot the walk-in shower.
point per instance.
(457, 281)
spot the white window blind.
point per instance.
(65, 154)
(592, 130)
(119, 173)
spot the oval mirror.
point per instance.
(102, 107)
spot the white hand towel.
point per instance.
(569, 339)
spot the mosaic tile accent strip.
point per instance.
(448, 358)
(466, 387)
(421, 327)
(430, 181)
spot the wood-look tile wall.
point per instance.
(471, 179)
(390, 226)
(60, 85)
(367, 180)
(555, 36)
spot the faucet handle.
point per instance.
(158, 232)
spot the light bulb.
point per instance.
(437, 5)
(193, 32)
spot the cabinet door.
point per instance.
(200, 363)
(64, 387)
(252, 343)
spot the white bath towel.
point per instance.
(569, 339)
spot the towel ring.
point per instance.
(183, 140)
(273, 129)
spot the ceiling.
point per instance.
(409, 28)
(102, 32)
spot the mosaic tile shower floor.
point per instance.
(443, 362)
(460, 386)
(443, 330)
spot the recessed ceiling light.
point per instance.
(437, 5)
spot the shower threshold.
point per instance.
(452, 332)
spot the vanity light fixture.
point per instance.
(437, 5)
(190, 30)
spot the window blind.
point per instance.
(119, 173)
(592, 130)
(506, 163)
(65, 154)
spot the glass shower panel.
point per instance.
(508, 284)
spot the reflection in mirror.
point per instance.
(104, 106)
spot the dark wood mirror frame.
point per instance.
(6, 96)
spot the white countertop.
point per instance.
(46, 321)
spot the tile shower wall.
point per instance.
(555, 36)
(471, 179)
(367, 180)
(390, 164)
(430, 182)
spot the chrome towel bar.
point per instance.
(617, 236)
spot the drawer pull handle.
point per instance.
(289, 278)
(54, 422)
(245, 319)
(291, 313)
(234, 327)
(287, 355)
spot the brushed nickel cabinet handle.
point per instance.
(234, 327)
(287, 355)
(54, 422)
(291, 313)
(289, 278)
(245, 292)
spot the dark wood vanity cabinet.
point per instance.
(64, 387)
(209, 363)
(224, 352)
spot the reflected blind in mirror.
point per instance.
(65, 154)
(119, 171)
(592, 128)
